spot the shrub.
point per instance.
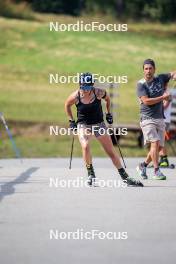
(20, 10)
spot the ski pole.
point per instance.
(120, 152)
(71, 153)
(16, 150)
(119, 149)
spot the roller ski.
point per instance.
(131, 182)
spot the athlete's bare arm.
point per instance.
(108, 103)
(71, 100)
(102, 94)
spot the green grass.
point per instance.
(29, 52)
(45, 146)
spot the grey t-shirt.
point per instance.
(152, 89)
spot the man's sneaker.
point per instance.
(164, 163)
(141, 169)
(158, 175)
(132, 182)
(91, 175)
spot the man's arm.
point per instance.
(151, 101)
(71, 100)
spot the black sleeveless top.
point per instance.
(91, 113)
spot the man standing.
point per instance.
(151, 93)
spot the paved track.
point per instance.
(30, 209)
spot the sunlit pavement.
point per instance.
(33, 208)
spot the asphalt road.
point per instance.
(43, 213)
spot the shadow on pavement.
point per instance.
(9, 187)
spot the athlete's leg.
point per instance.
(150, 133)
(158, 175)
(147, 128)
(162, 151)
(106, 142)
(154, 152)
(164, 162)
(84, 140)
(148, 158)
(152, 155)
